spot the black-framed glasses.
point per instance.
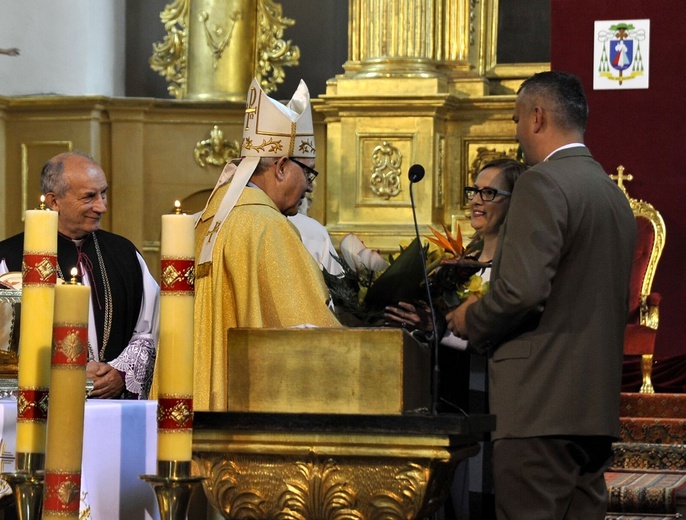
(310, 173)
(487, 194)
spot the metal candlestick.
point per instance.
(173, 487)
(27, 485)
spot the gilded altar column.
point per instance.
(421, 39)
(410, 63)
(213, 48)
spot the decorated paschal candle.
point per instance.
(62, 484)
(175, 351)
(39, 274)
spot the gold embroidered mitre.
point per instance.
(271, 130)
(276, 130)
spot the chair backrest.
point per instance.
(650, 242)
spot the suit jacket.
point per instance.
(553, 321)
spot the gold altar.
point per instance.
(324, 466)
(304, 436)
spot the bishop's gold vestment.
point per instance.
(261, 276)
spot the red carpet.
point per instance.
(646, 492)
(647, 479)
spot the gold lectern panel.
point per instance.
(369, 371)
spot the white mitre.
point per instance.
(271, 129)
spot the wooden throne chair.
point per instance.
(643, 319)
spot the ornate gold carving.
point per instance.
(485, 154)
(319, 491)
(216, 150)
(649, 314)
(413, 485)
(227, 490)
(319, 487)
(169, 56)
(273, 53)
(385, 180)
(217, 37)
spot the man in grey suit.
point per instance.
(553, 321)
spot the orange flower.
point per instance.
(451, 244)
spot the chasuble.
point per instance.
(261, 275)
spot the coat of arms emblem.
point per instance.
(621, 54)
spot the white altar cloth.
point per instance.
(119, 444)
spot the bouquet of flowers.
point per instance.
(457, 276)
(370, 282)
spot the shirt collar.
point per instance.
(563, 147)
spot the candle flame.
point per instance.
(42, 202)
(177, 205)
(74, 272)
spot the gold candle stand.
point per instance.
(173, 486)
(27, 485)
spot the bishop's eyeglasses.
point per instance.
(310, 173)
(487, 194)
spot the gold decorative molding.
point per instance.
(386, 163)
(273, 52)
(169, 56)
(440, 161)
(216, 150)
(321, 476)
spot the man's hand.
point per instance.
(107, 381)
(456, 318)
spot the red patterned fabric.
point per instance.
(656, 493)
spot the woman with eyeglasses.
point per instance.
(463, 381)
(488, 200)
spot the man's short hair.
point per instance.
(51, 178)
(564, 95)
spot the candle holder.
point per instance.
(27, 485)
(173, 487)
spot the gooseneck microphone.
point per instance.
(416, 174)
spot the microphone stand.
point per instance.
(435, 341)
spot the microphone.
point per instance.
(416, 174)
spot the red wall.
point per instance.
(642, 129)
